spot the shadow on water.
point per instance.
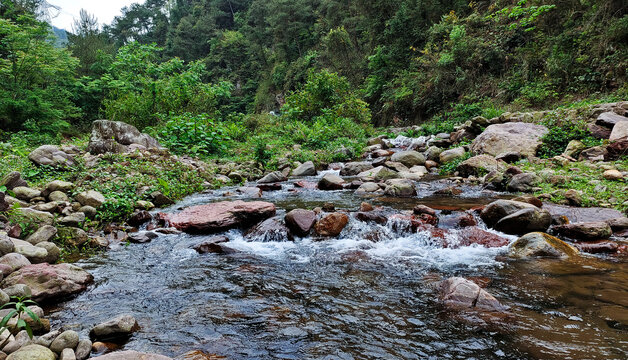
(350, 298)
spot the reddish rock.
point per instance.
(364, 206)
(599, 132)
(474, 235)
(221, 216)
(584, 231)
(617, 149)
(269, 187)
(305, 184)
(414, 223)
(598, 247)
(331, 224)
(422, 209)
(458, 220)
(460, 293)
(372, 216)
(50, 282)
(300, 221)
(215, 245)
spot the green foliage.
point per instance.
(18, 308)
(563, 129)
(450, 167)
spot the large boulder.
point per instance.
(460, 293)
(524, 138)
(524, 221)
(331, 182)
(305, 169)
(51, 155)
(26, 193)
(480, 165)
(12, 180)
(400, 187)
(538, 244)
(475, 236)
(300, 221)
(131, 355)
(50, 282)
(273, 177)
(221, 216)
(117, 137)
(584, 231)
(354, 168)
(331, 224)
(409, 158)
(523, 182)
(35, 217)
(90, 198)
(499, 209)
(609, 119)
(620, 130)
(67, 339)
(451, 155)
(119, 327)
(32, 352)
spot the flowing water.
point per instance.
(351, 298)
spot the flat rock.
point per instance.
(524, 138)
(221, 216)
(50, 282)
(51, 155)
(576, 215)
(130, 355)
(584, 231)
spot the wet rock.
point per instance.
(538, 244)
(268, 230)
(118, 137)
(331, 182)
(613, 175)
(524, 221)
(499, 209)
(221, 216)
(364, 206)
(457, 220)
(300, 221)
(130, 355)
(252, 192)
(32, 352)
(523, 182)
(139, 217)
(583, 214)
(396, 166)
(67, 339)
(160, 200)
(121, 326)
(609, 119)
(449, 191)
(26, 193)
(215, 245)
(409, 158)
(90, 198)
(273, 177)
(368, 187)
(50, 282)
(584, 231)
(51, 155)
(83, 349)
(305, 169)
(270, 187)
(460, 293)
(598, 247)
(46, 339)
(422, 209)
(354, 168)
(530, 199)
(12, 180)
(331, 225)
(14, 261)
(400, 188)
(524, 138)
(377, 217)
(379, 173)
(142, 237)
(304, 184)
(479, 165)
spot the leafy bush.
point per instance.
(19, 307)
(563, 129)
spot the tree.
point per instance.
(86, 41)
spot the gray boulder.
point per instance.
(131, 355)
(451, 155)
(65, 340)
(26, 193)
(620, 130)
(523, 182)
(356, 167)
(499, 209)
(59, 185)
(51, 155)
(32, 352)
(400, 188)
(118, 137)
(305, 169)
(12, 180)
(460, 293)
(331, 182)
(609, 119)
(44, 233)
(480, 165)
(524, 221)
(273, 177)
(90, 198)
(524, 138)
(119, 327)
(409, 158)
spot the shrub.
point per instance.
(562, 130)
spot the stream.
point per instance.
(351, 298)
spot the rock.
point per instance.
(90, 198)
(509, 157)
(524, 138)
(379, 173)
(538, 244)
(32, 352)
(130, 355)
(400, 187)
(139, 217)
(74, 219)
(221, 216)
(46, 339)
(4, 298)
(396, 166)
(499, 209)
(584, 231)
(331, 225)
(142, 237)
(583, 214)
(433, 153)
(26, 193)
(15, 261)
(574, 148)
(18, 290)
(53, 252)
(21, 339)
(479, 165)
(67, 339)
(51, 155)
(59, 185)
(573, 197)
(613, 175)
(599, 132)
(354, 168)
(609, 119)
(460, 293)
(144, 205)
(119, 327)
(596, 153)
(4, 206)
(364, 206)
(269, 230)
(83, 349)
(215, 245)
(305, 169)
(6, 245)
(58, 196)
(35, 217)
(48, 282)
(409, 158)
(524, 221)
(273, 177)
(523, 182)
(72, 236)
(451, 155)
(617, 150)
(331, 182)
(620, 130)
(89, 211)
(300, 221)
(117, 137)
(368, 187)
(598, 247)
(618, 224)
(12, 180)
(34, 254)
(67, 354)
(159, 199)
